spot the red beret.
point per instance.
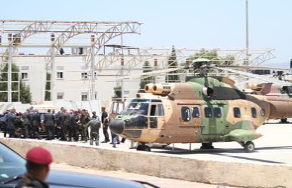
(39, 155)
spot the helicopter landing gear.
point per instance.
(248, 146)
(207, 146)
(284, 120)
(143, 147)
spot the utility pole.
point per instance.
(92, 69)
(53, 68)
(9, 72)
(247, 33)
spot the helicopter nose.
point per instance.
(117, 126)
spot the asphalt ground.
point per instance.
(274, 147)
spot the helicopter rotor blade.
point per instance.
(253, 67)
(260, 77)
(151, 73)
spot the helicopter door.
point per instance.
(214, 120)
(156, 118)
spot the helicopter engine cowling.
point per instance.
(162, 89)
(149, 88)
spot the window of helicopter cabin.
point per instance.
(196, 112)
(236, 112)
(185, 114)
(157, 110)
(253, 112)
(217, 112)
(208, 112)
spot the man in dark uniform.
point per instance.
(73, 127)
(84, 119)
(105, 124)
(94, 125)
(37, 168)
(10, 123)
(36, 119)
(49, 122)
(26, 123)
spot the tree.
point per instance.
(24, 95)
(172, 63)
(48, 87)
(149, 79)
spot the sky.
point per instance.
(183, 23)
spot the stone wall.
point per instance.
(203, 171)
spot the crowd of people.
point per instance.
(63, 125)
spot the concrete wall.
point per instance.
(213, 172)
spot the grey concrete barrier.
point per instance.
(203, 171)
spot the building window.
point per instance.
(84, 96)
(208, 112)
(196, 112)
(236, 112)
(60, 75)
(24, 75)
(84, 75)
(253, 112)
(185, 114)
(60, 95)
(217, 112)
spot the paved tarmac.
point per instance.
(273, 148)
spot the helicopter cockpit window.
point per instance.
(208, 112)
(236, 112)
(185, 114)
(253, 112)
(137, 107)
(196, 112)
(217, 112)
(157, 110)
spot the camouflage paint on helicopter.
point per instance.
(202, 110)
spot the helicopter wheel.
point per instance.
(249, 146)
(207, 146)
(143, 147)
(284, 120)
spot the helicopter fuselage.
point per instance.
(204, 109)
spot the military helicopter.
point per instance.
(204, 109)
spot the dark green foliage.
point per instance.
(172, 63)
(144, 81)
(25, 95)
(48, 87)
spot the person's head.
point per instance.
(94, 113)
(38, 162)
(103, 109)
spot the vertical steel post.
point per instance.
(53, 69)
(9, 71)
(9, 76)
(92, 70)
(247, 34)
(122, 71)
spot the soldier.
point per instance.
(84, 119)
(94, 125)
(26, 123)
(73, 126)
(3, 122)
(49, 122)
(105, 124)
(10, 123)
(36, 119)
(66, 124)
(37, 168)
